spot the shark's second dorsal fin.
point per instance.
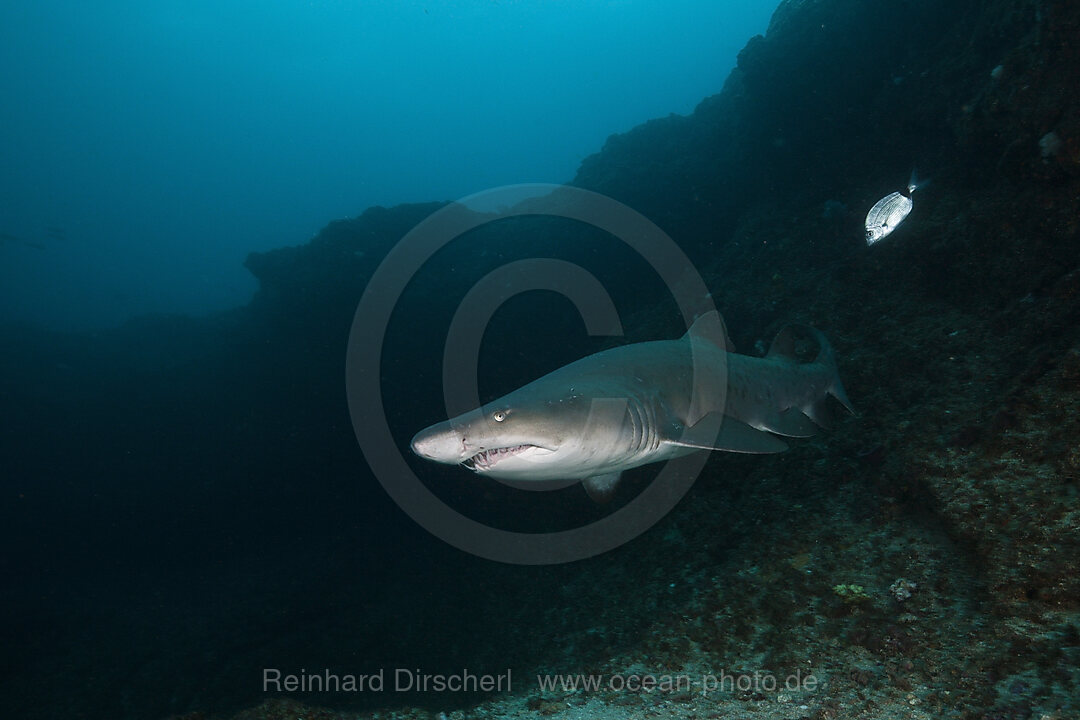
(710, 327)
(783, 345)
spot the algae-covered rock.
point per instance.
(851, 593)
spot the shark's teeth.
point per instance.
(487, 458)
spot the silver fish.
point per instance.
(889, 212)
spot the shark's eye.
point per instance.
(499, 416)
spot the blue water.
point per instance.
(148, 147)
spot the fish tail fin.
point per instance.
(916, 182)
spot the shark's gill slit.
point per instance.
(638, 425)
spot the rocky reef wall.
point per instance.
(957, 336)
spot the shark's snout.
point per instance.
(439, 443)
(419, 445)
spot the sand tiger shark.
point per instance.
(643, 403)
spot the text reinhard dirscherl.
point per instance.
(400, 680)
(414, 680)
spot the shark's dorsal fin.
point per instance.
(783, 345)
(732, 436)
(706, 335)
(601, 487)
(710, 327)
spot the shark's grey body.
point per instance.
(642, 403)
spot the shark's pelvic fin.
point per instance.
(822, 414)
(732, 436)
(791, 423)
(601, 487)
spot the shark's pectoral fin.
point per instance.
(601, 487)
(718, 432)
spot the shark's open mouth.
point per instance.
(487, 458)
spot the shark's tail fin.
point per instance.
(783, 345)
